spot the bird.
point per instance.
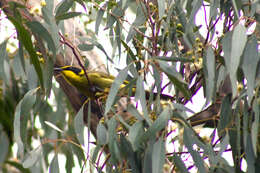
(95, 84)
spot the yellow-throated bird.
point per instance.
(97, 82)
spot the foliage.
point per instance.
(162, 44)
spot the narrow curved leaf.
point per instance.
(85, 47)
(38, 29)
(54, 166)
(4, 143)
(249, 65)
(195, 154)
(102, 134)
(63, 7)
(20, 118)
(140, 95)
(159, 124)
(25, 37)
(225, 115)
(239, 39)
(136, 132)
(209, 71)
(67, 16)
(175, 78)
(158, 156)
(179, 163)
(100, 15)
(114, 88)
(32, 157)
(79, 125)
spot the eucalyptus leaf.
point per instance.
(209, 70)
(63, 7)
(139, 20)
(20, 119)
(159, 124)
(102, 134)
(239, 39)
(178, 162)
(37, 28)
(32, 157)
(158, 156)
(25, 37)
(140, 95)
(249, 65)
(135, 133)
(4, 142)
(114, 89)
(79, 125)
(3, 56)
(195, 154)
(67, 16)
(54, 166)
(100, 15)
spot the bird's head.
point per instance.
(72, 74)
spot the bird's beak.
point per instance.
(57, 69)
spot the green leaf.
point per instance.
(159, 124)
(161, 8)
(118, 37)
(235, 8)
(99, 17)
(133, 111)
(3, 56)
(18, 68)
(102, 134)
(112, 141)
(195, 7)
(249, 65)
(114, 88)
(79, 125)
(63, 7)
(85, 47)
(140, 95)
(4, 143)
(148, 156)
(173, 59)
(158, 156)
(239, 39)
(175, 78)
(128, 153)
(51, 26)
(25, 37)
(20, 118)
(225, 115)
(117, 11)
(250, 155)
(32, 157)
(67, 15)
(136, 132)
(255, 127)
(54, 166)
(139, 20)
(187, 139)
(48, 68)
(179, 163)
(209, 71)
(38, 29)
(18, 166)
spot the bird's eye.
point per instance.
(74, 69)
